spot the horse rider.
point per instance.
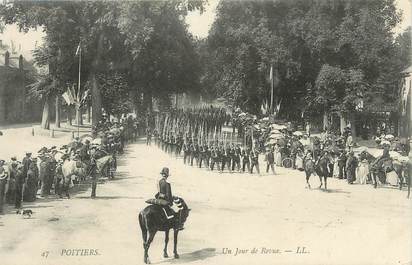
(165, 193)
(377, 164)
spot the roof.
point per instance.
(14, 61)
(407, 70)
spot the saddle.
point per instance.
(168, 210)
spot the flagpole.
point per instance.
(78, 90)
(271, 89)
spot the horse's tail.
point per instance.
(143, 227)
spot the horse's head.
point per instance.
(183, 209)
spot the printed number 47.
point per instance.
(45, 254)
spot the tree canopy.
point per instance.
(147, 43)
(327, 55)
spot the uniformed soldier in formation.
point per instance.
(226, 159)
(207, 156)
(254, 158)
(186, 153)
(214, 159)
(245, 159)
(236, 153)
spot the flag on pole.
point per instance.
(84, 98)
(79, 49)
(68, 97)
(271, 73)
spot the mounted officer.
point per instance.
(165, 195)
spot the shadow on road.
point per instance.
(197, 255)
(336, 191)
(110, 197)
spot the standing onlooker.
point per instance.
(148, 136)
(277, 155)
(30, 184)
(342, 165)
(362, 170)
(335, 166)
(26, 163)
(351, 165)
(299, 160)
(270, 161)
(19, 186)
(349, 142)
(3, 180)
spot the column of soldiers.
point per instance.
(197, 135)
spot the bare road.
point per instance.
(235, 219)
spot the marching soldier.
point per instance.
(207, 156)
(245, 159)
(255, 161)
(214, 158)
(226, 158)
(236, 152)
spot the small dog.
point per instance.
(26, 213)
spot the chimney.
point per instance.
(21, 62)
(6, 58)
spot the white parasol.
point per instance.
(298, 133)
(389, 137)
(97, 141)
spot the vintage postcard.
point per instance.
(205, 132)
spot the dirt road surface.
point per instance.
(270, 215)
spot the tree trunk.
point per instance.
(57, 119)
(69, 115)
(88, 114)
(96, 101)
(79, 118)
(147, 100)
(132, 95)
(342, 123)
(45, 122)
(325, 121)
(95, 91)
(353, 124)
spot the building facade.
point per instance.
(15, 106)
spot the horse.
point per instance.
(73, 168)
(401, 169)
(153, 219)
(106, 166)
(379, 169)
(321, 169)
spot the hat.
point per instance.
(14, 158)
(42, 150)
(28, 153)
(165, 171)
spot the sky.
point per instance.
(199, 25)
